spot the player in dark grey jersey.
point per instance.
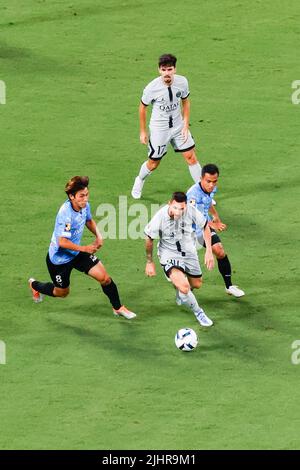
(169, 123)
(173, 225)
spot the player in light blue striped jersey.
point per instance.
(201, 195)
(65, 252)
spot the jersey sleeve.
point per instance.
(198, 218)
(147, 96)
(88, 212)
(63, 225)
(191, 197)
(153, 228)
(185, 89)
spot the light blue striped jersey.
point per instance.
(202, 200)
(68, 224)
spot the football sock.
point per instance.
(112, 293)
(46, 288)
(195, 171)
(190, 300)
(144, 171)
(225, 270)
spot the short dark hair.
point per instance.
(210, 168)
(167, 59)
(179, 196)
(75, 184)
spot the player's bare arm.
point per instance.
(150, 266)
(143, 124)
(208, 259)
(186, 117)
(68, 245)
(92, 226)
(216, 223)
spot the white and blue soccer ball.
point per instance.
(186, 339)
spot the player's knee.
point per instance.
(219, 251)
(191, 158)
(184, 288)
(197, 283)
(105, 281)
(152, 164)
(65, 293)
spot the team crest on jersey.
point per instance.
(178, 94)
(68, 227)
(193, 202)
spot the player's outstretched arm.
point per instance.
(208, 259)
(143, 124)
(92, 226)
(150, 266)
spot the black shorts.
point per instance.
(214, 238)
(60, 273)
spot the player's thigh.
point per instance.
(158, 143)
(92, 266)
(99, 273)
(180, 145)
(178, 279)
(174, 268)
(59, 273)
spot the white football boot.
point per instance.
(124, 312)
(235, 291)
(203, 319)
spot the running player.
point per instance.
(66, 253)
(200, 196)
(167, 124)
(173, 225)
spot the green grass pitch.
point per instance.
(76, 377)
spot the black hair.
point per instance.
(167, 60)
(210, 168)
(179, 196)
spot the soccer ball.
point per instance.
(186, 339)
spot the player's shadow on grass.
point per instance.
(236, 308)
(30, 62)
(116, 339)
(253, 314)
(261, 187)
(10, 52)
(68, 13)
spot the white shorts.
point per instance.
(188, 264)
(160, 139)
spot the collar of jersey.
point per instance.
(77, 212)
(205, 192)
